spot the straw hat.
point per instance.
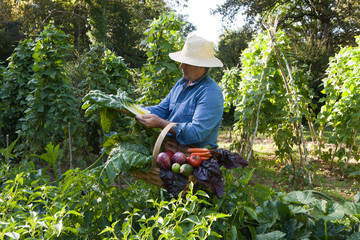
(197, 51)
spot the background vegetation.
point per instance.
(290, 83)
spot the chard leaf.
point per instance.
(125, 157)
(107, 115)
(96, 99)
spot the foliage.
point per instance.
(51, 104)
(231, 45)
(340, 111)
(317, 29)
(160, 73)
(311, 18)
(80, 206)
(15, 88)
(261, 89)
(119, 24)
(130, 150)
(105, 71)
(97, 21)
(51, 157)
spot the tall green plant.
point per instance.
(160, 73)
(105, 71)
(15, 88)
(342, 102)
(263, 104)
(51, 104)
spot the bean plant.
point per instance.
(263, 103)
(160, 73)
(51, 103)
(341, 108)
(15, 88)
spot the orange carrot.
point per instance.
(197, 150)
(203, 154)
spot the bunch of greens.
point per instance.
(129, 151)
(107, 105)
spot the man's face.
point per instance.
(192, 73)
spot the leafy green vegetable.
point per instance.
(96, 99)
(125, 157)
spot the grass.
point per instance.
(272, 172)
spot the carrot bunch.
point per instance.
(204, 153)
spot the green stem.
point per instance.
(326, 236)
(96, 162)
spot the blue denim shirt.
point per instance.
(197, 108)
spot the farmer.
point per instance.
(196, 102)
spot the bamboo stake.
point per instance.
(70, 151)
(333, 156)
(7, 148)
(288, 91)
(350, 150)
(258, 111)
(321, 134)
(297, 113)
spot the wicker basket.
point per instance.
(153, 176)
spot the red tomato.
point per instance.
(195, 160)
(170, 153)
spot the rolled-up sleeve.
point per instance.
(207, 117)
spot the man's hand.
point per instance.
(153, 121)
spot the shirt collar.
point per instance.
(201, 79)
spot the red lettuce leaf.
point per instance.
(227, 159)
(174, 183)
(210, 174)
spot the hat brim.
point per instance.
(199, 62)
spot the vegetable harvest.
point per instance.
(205, 165)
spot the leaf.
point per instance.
(305, 197)
(174, 183)
(251, 212)
(96, 99)
(13, 235)
(328, 210)
(354, 236)
(58, 228)
(106, 116)
(73, 212)
(351, 208)
(276, 235)
(126, 157)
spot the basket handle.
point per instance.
(159, 141)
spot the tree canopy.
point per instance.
(119, 24)
(317, 28)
